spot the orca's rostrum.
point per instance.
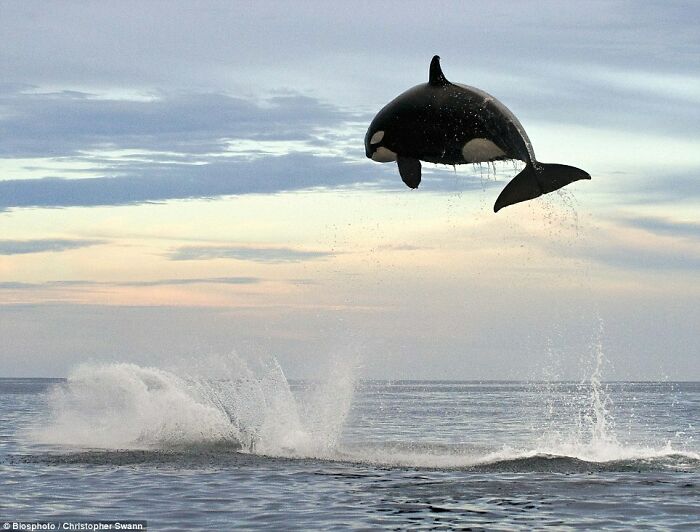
(449, 123)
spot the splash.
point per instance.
(328, 403)
(125, 405)
(225, 402)
(214, 407)
(598, 419)
(578, 419)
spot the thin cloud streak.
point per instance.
(665, 226)
(44, 245)
(10, 285)
(161, 182)
(621, 247)
(255, 254)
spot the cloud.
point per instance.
(155, 183)
(628, 257)
(401, 247)
(11, 285)
(70, 123)
(245, 253)
(620, 246)
(22, 247)
(665, 226)
(150, 182)
(150, 88)
(159, 43)
(175, 147)
(662, 186)
(179, 282)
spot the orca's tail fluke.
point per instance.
(537, 179)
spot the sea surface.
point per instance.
(249, 450)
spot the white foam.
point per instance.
(129, 406)
(126, 406)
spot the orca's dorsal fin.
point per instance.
(436, 78)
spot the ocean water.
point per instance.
(241, 447)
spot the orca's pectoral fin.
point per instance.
(409, 168)
(533, 181)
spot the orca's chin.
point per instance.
(383, 155)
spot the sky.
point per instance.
(180, 179)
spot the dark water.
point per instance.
(123, 442)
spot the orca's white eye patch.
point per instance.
(377, 137)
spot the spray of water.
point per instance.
(226, 402)
(234, 404)
(598, 419)
(578, 420)
(125, 405)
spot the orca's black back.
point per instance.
(433, 123)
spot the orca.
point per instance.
(450, 123)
